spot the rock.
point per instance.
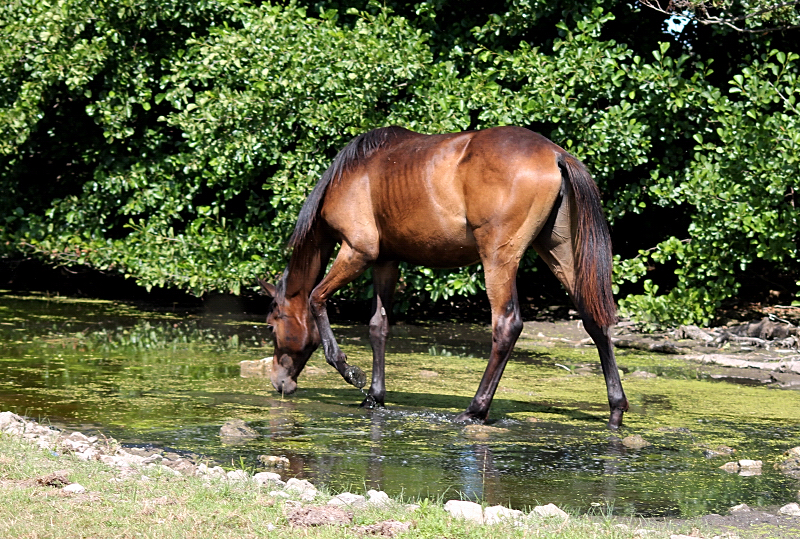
(730, 467)
(237, 430)
(790, 467)
(303, 488)
(749, 467)
(278, 494)
(482, 432)
(791, 509)
(74, 488)
(635, 441)
(498, 514)
(694, 333)
(746, 463)
(273, 461)
(349, 499)
(741, 508)
(319, 516)
(264, 478)
(9, 419)
(255, 369)
(428, 374)
(215, 471)
(238, 475)
(387, 528)
(378, 498)
(469, 511)
(549, 510)
(720, 451)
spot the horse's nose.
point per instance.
(285, 386)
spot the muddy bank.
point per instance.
(761, 352)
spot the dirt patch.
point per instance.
(326, 515)
(56, 479)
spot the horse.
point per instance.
(445, 200)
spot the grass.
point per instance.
(149, 504)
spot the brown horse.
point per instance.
(444, 201)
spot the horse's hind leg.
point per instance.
(554, 245)
(384, 280)
(500, 269)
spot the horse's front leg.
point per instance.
(385, 277)
(348, 265)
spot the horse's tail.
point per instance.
(592, 247)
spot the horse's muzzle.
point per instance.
(285, 386)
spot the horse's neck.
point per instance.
(305, 266)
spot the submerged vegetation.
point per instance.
(77, 365)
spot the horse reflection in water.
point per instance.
(444, 201)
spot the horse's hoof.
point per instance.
(468, 417)
(371, 403)
(615, 421)
(355, 376)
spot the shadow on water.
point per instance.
(171, 380)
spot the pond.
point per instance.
(158, 378)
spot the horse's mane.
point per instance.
(356, 151)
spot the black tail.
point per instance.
(592, 290)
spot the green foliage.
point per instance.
(175, 141)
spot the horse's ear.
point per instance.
(268, 289)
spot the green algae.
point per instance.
(173, 382)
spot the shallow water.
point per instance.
(171, 380)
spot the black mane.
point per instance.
(358, 149)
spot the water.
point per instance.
(171, 380)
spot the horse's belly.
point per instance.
(432, 250)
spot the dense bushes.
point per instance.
(175, 141)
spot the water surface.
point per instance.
(172, 379)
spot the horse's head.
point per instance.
(295, 335)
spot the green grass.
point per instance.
(155, 505)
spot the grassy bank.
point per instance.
(152, 503)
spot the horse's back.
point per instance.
(423, 197)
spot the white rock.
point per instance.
(348, 499)
(498, 514)
(9, 419)
(278, 494)
(301, 486)
(79, 436)
(88, 454)
(412, 506)
(549, 510)
(745, 463)
(470, 511)
(791, 509)
(378, 498)
(238, 475)
(741, 508)
(74, 488)
(264, 478)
